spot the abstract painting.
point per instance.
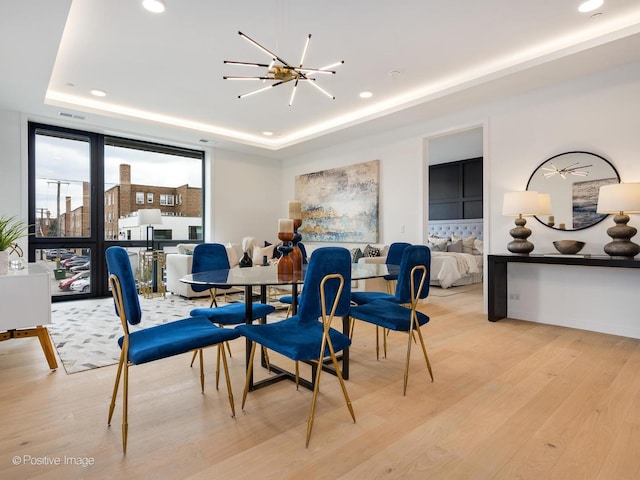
(341, 204)
(585, 202)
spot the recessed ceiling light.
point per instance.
(155, 6)
(267, 133)
(98, 93)
(366, 94)
(590, 5)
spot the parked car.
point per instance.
(81, 267)
(77, 259)
(61, 253)
(69, 263)
(82, 285)
(65, 285)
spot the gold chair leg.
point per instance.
(316, 387)
(125, 407)
(228, 348)
(424, 351)
(193, 359)
(406, 366)
(297, 375)
(201, 372)
(377, 343)
(115, 388)
(249, 371)
(385, 333)
(266, 358)
(218, 353)
(342, 384)
(226, 375)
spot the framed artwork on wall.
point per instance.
(340, 204)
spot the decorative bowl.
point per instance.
(568, 247)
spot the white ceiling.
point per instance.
(165, 70)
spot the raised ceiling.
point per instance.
(163, 72)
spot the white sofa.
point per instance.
(178, 264)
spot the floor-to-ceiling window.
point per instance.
(86, 192)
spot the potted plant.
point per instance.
(11, 229)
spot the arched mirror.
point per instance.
(573, 180)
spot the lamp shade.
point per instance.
(619, 197)
(521, 203)
(149, 216)
(545, 204)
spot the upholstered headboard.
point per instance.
(459, 228)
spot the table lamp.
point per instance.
(618, 198)
(545, 208)
(520, 204)
(149, 217)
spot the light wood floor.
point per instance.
(510, 400)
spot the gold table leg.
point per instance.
(43, 335)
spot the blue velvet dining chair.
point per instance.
(288, 299)
(210, 257)
(308, 336)
(154, 343)
(394, 257)
(400, 313)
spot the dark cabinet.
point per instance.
(455, 190)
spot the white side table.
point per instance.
(25, 300)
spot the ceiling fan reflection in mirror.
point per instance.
(280, 71)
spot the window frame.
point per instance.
(97, 242)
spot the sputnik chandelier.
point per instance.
(573, 169)
(281, 72)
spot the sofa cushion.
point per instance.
(370, 251)
(356, 254)
(232, 254)
(259, 252)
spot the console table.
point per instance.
(497, 274)
(26, 301)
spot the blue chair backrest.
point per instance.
(119, 265)
(208, 257)
(394, 255)
(325, 261)
(412, 256)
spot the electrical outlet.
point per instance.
(514, 296)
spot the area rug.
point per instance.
(85, 332)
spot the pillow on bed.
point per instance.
(455, 247)
(478, 247)
(434, 247)
(467, 243)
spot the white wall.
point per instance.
(13, 169)
(401, 179)
(598, 113)
(246, 197)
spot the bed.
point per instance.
(456, 252)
